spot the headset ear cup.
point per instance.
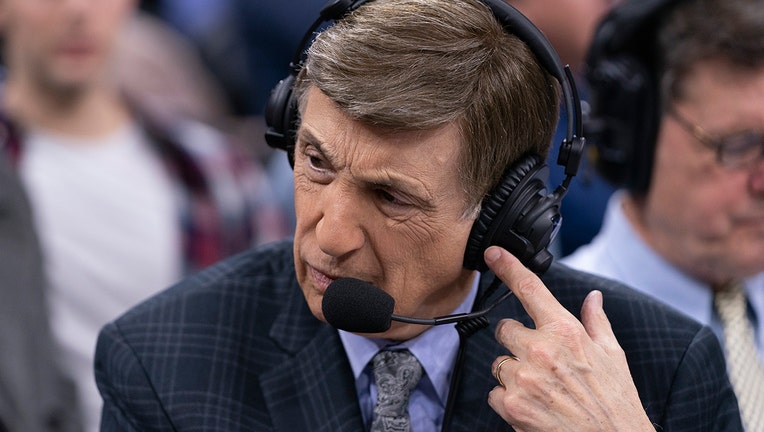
(281, 114)
(623, 121)
(624, 93)
(503, 214)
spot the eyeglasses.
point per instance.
(738, 150)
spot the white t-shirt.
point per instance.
(108, 220)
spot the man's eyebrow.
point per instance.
(382, 179)
(306, 137)
(406, 185)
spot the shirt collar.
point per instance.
(435, 349)
(617, 247)
(754, 288)
(686, 294)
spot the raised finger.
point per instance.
(527, 287)
(596, 323)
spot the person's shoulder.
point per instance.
(659, 341)
(264, 272)
(625, 306)
(213, 331)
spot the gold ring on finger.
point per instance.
(498, 369)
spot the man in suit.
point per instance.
(127, 198)
(677, 92)
(423, 127)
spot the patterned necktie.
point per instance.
(396, 374)
(745, 368)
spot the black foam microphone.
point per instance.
(356, 306)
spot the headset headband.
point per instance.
(519, 214)
(513, 21)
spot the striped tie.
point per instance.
(745, 368)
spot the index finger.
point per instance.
(535, 297)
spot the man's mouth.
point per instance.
(321, 279)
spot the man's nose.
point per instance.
(340, 229)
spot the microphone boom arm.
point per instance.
(447, 319)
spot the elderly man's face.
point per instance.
(382, 207)
(701, 215)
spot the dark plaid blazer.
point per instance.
(235, 348)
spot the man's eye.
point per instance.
(316, 162)
(315, 159)
(387, 196)
(391, 198)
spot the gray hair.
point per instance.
(422, 64)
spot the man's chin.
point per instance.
(73, 81)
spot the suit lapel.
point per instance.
(472, 411)
(313, 388)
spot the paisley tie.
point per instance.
(396, 374)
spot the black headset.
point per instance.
(622, 72)
(519, 214)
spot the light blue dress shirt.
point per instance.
(619, 253)
(435, 349)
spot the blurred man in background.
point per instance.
(677, 92)
(124, 203)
